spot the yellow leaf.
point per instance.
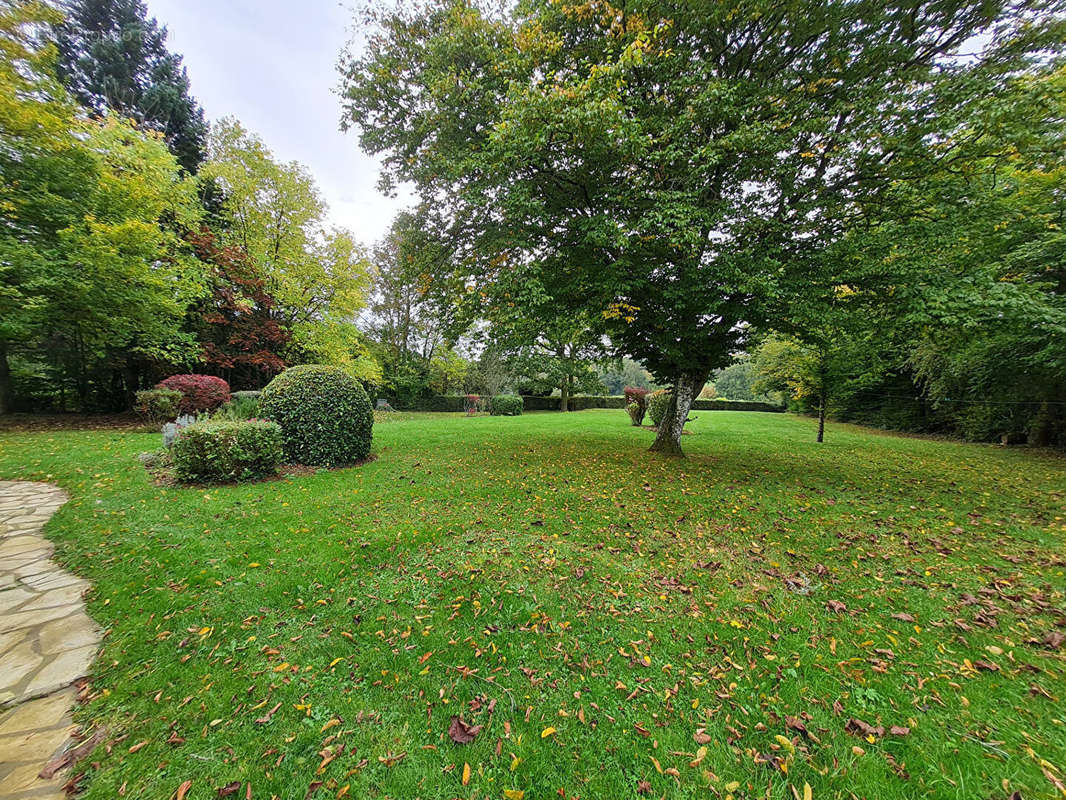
(514, 794)
(544, 734)
(658, 766)
(466, 774)
(700, 755)
(732, 786)
(807, 793)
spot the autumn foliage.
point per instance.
(240, 336)
(198, 392)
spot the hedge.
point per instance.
(221, 450)
(456, 404)
(506, 405)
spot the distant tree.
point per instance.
(401, 316)
(616, 375)
(734, 382)
(242, 342)
(112, 56)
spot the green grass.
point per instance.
(548, 564)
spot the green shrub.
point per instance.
(657, 405)
(506, 405)
(226, 450)
(243, 405)
(324, 413)
(158, 405)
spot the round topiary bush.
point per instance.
(506, 405)
(324, 413)
(657, 405)
(198, 392)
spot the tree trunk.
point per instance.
(821, 417)
(5, 380)
(686, 388)
(564, 394)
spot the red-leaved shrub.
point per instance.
(198, 392)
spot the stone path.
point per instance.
(47, 641)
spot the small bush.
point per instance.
(636, 396)
(198, 392)
(636, 413)
(506, 405)
(657, 405)
(224, 450)
(158, 405)
(241, 406)
(324, 413)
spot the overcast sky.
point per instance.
(272, 64)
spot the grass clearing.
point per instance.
(636, 625)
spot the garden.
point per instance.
(531, 607)
(692, 424)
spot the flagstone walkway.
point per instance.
(47, 641)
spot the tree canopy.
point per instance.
(113, 57)
(673, 168)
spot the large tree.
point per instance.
(113, 56)
(318, 275)
(671, 167)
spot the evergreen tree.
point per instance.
(113, 56)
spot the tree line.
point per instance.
(135, 239)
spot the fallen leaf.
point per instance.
(461, 732)
(466, 774)
(544, 734)
(184, 790)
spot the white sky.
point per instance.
(272, 64)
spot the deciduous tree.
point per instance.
(668, 167)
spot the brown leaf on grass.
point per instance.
(312, 789)
(987, 666)
(860, 728)
(230, 788)
(701, 736)
(899, 730)
(63, 760)
(836, 606)
(461, 732)
(643, 787)
(184, 790)
(263, 720)
(903, 617)
(1053, 639)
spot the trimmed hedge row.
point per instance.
(456, 403)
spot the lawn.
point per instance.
(875, 617)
